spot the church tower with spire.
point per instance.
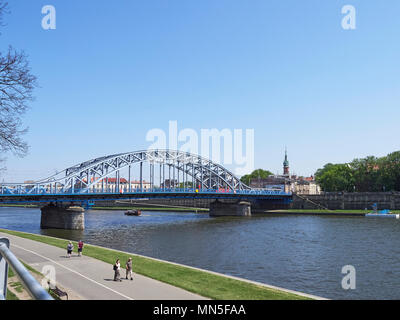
(286, 165)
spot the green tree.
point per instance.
(335, 177)
(366, 174)
(256, 174)
(369, 174)
(188, 184)
(389, 172)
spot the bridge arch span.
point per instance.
(203, 172)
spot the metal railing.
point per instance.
(29, 282)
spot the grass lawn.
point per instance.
(319, 211)
(10, 295)
(196, 281)
(316, 211)
(16, 285)
(20, 205)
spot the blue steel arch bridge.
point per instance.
(193, 177)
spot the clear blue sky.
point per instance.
(112, 70)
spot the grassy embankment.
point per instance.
(196, 281)
(16, 290)
(327, 212)
(20, 205)
(11, 295)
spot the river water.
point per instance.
(304, 253)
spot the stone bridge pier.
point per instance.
(238, 208)
(62, 217)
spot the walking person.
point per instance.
(80, 248)
(117, 267)
(70, 247)
(129, 269)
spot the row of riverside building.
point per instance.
(112, 185)
(287, 182)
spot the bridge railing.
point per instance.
(29, 282)
(10, 190)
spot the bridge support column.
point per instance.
(60, 217)
(220, 209)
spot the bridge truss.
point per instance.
(182, 168)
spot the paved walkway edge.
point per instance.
(198, 269)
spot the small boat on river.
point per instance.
(133, 213)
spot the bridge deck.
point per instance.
(99, 196)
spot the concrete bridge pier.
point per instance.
(62, 217)
(221, 209)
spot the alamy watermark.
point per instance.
(223, 146)
(49, 280)
(49, 20)
(349, 20)
(349, 280)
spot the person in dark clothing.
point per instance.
(129, 269)
(70, 247)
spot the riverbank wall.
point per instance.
(347, 201)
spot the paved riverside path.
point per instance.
(92, 279)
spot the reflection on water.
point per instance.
(304, 253)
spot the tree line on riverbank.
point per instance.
(256, 174)
(370, 174)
